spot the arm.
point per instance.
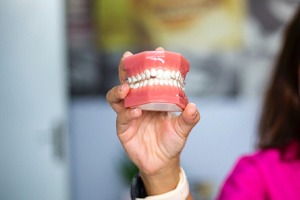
(244, 182)
(152, 140)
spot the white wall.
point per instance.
(33, 100)
(225, 131)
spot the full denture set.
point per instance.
(157, 80)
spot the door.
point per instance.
(33, 101)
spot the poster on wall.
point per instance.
(192, 25)
(227, 42)
(196, 28)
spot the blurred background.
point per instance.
(59, 58)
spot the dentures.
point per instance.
(156, 80)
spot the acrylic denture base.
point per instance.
(156, 80)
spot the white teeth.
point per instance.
(129, 80)
(140, 84)
(160, 74)
(147, 73)
(161, 82)
(143, 75)
(145, 82)
(153, 72)
(173, 74)
(166, 82)
(175, 83)
(156, 81)
(167, 74)
(134, 79)
(151, 81)
(177, 75)
(181, 80)
(139, 77)
(157, 77)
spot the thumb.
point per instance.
(189, 117)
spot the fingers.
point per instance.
(126, 117)
(188, 119)
(122, 71)
(116, 95)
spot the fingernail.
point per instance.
(195, 114)
(127, 53)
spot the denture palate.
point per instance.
(156, 76)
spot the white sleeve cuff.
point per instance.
(181, 191)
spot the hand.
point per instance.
(152, 140)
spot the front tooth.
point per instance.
(160, 74)
(156, 81)
(166, 81)
(171, 82)
(131, 86)
(151, 81)
(153, 72)
(167, 74)
(161, 82)
(147, 73)
(138, 77)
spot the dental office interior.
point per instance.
(59, 58)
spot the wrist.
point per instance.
(180, 192)
(162, 181)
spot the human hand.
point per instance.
(152, 140)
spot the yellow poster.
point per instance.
(194, 25)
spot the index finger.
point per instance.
(115, 97)
(122, 70)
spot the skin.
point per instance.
(152, 140)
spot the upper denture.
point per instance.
(156, 67)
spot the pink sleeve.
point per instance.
(244, 182)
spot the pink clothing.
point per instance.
(264, 175)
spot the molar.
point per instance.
(177, 75)
(129, 80)
(173, 74)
